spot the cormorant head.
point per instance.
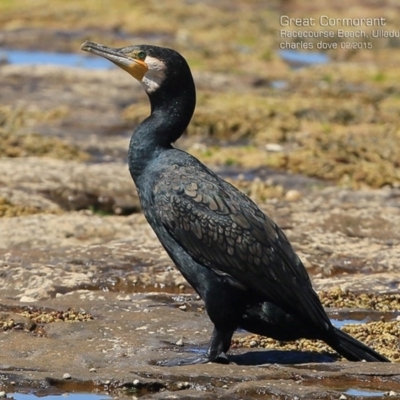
(167, 80)
(153, 66)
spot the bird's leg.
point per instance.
(225, 305)
(219, 346)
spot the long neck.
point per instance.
(171, 111)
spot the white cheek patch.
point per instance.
(155, 75)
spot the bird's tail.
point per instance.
(352, 349)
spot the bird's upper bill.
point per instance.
(131, 59)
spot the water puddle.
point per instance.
(364, 393)
(340, 323)
(351, 317)
(279, 84)
(196, 350)
(295, 59)
(30, 57)
(68, 396)
(56, 389)
(300, 59)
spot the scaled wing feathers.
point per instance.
(220, 228)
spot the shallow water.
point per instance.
(30, 57)
(340, 323)
(343, 317)
(69, 396)
(298, 59)
(295, 59)
(364, 392)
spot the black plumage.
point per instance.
(236, 258)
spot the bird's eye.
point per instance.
(141, 55)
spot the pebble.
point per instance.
(183, 307)
(183, 385)
(3, 395)
(66, 376)
(342, 397)
(292, 195)
(136, 382)
(92, 370)
(273, 147)
(179, 342)
(27, 299)
(123, 298)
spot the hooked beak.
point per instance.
(123, 58)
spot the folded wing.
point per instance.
(222, 229)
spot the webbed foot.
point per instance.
(222, 358)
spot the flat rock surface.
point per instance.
(114, 268)
(129, 333)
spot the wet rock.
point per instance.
(106, 265)
(16, 202)
(115, 342)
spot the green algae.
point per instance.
(340, 141)
(339, 298)
(18, 141)
(8, 209)
(32, 319)
(354, 157)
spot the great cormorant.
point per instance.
(236, 258)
